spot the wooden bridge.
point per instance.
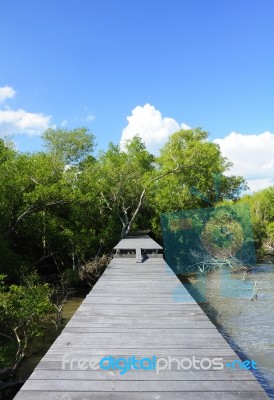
(139, 308)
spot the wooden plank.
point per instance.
(135, 301)
(139, 325)
(138, 337)
(140, 386)
(153, 395)
(123, 329)
(144, 242)
(226, 353)
(173, 375)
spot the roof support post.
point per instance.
(139, 257)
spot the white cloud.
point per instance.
(64, 122)
(258, 184)
(252, 156)
(151, 126)
(14, 122)
(21, 121)
(90, 117)
(6, 92)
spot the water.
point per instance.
(247, 324)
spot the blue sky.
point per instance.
(206, 63)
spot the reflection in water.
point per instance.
(247, 324)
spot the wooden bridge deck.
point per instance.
(141, 310)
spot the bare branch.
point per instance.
(105, 200)
(33, 208)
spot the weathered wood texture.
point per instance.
(143, 242)
(141, 310)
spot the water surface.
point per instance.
(247, 324)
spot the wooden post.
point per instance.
(138, 255)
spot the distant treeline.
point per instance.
(63, 206)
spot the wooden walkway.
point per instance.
(138, 309)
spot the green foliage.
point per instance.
(120, 178)
(261, 204)
(70, 146)
(190, 165)
(62, 207)
(7, 353)
(10, 262)
(23, 310)
(195, 163)
(71, 277)
(270, 230)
